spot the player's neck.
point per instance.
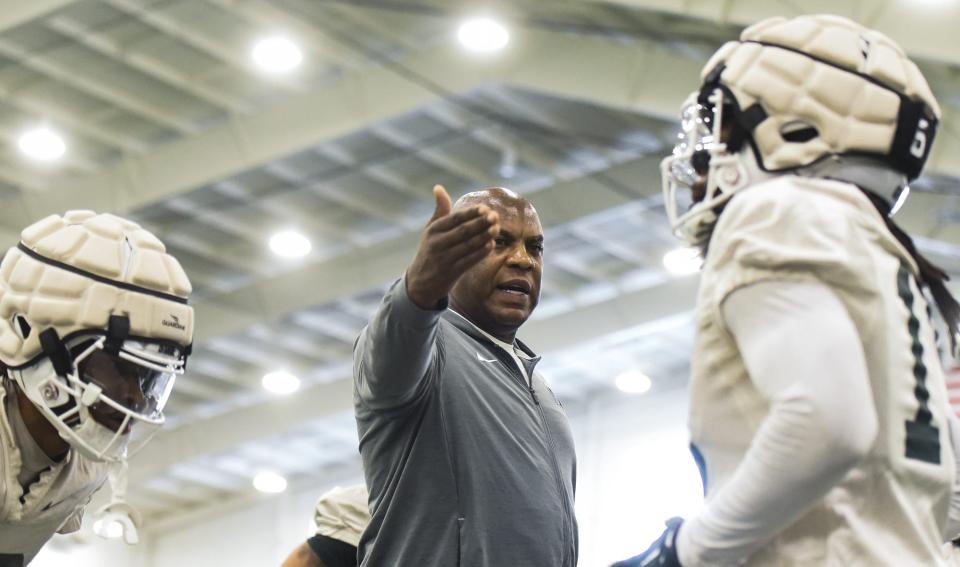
(42, 431)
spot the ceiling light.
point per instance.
(683, 261)
(633, 382)
(277, 55)
(483, 35)
(290, 244)
(280, 382)
(42, 144)
(269, 482)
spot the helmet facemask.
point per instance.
(106, 399)
(705, 168)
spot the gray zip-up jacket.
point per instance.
(466, 465)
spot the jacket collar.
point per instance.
(466, 326)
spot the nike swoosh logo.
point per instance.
(481, 359)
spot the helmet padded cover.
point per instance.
(106, 246)
(829, 90)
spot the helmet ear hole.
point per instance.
(22, 327)
(798, 132)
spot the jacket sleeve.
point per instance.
(395, 357)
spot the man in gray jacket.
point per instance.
(468, 455)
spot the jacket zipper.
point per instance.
(556, 471)
(553, 448)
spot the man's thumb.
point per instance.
(443, 202)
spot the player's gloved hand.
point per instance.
(661, 553)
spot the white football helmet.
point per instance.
(789, 94)
(94, 328)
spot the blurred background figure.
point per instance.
(341, 516)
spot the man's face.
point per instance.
(501, 291)
(120, 381)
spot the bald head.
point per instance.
(498, 199)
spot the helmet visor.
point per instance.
(136, 381)
(696, 137)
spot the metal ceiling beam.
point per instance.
(146, 64)
(436, 157)
(220, 433)
(639, 77)
(194, 35)
(547, 62)
(16, 12)
(244, 142)
(927, 32)
(373, 171)
(500, 140)
(382, 23)
(47, 65)
(362, 98)
(83, 126)
(555, 143)
(330, 191)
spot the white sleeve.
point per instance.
(953, 518)
(803, 353)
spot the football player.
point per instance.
(94, 328)
(818, 410)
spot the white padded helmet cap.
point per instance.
(828, 73)
(73, 272)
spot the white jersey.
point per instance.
(891, 509)
(53, 503)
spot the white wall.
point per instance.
(87, 550)
(635, 471)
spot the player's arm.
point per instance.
(395, 351)
(804, 354)
(302, 556)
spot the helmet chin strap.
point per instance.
(728, 175)
(735, 172)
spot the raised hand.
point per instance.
(452, 242)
